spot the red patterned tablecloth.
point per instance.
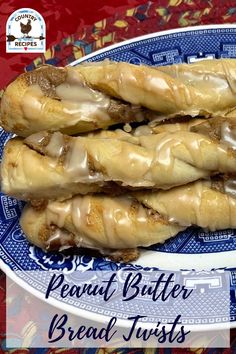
(75, 28)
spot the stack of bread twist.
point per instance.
(168, 164)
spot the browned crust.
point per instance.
(39, 204)
(47, 77)
(44, 234)
(121, 111)
(125, 255)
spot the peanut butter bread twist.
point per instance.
(108, 224)
(53, 165)
(95, 221)
(206, 88)
(53, 99)
(97, 95)
(209, 204)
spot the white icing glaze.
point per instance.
(164, 145)
(78, 93)
(169, 204)
(77, 99)
(113, 219)
(142, 130)
(55, 146)
(76, 160)
(61, 238)
(197, 76)
(80, 211)
(151, 164)
(229, 76)
(31, 102)
(36, 138)
(86, 160)
(196, 204)
(127, 128)
(77, 164)
(57, 213)
(116, 219)
(228, 134)
(230, 187)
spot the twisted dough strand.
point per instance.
(92, 96)
(137, 219)
(54, 164)
(51, 98)
(95, 221)
(207, 204)
(204, 88)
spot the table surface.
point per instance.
(73, 30)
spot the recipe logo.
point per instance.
(25, 32)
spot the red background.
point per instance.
(62, 18)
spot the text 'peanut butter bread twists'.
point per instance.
(127, 222)
(50, 166)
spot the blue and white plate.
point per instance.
(193, 249)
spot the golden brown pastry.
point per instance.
(205, 88)
(54, 165)
(222, 129)
(126, 222)
(208, 204)
(27, 174)
(92, 96)
(131, 135)
(186, 124)
(98, 222)
(51, 98)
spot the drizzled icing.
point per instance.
(77, 163)
(31, 101)
(117, 221)
(112, 221)
(229, 76)
(57, 213)
(80, 211)
(164, 145)
(62, 240)
(170, 203)
(228, 134)
(213, 82)
(230, 187)
(154, 162)
(103, 222)
(143, 130)
(59, 239)
(77, 100)
(55, 145)
(195, 204)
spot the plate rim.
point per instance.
(152, 35)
